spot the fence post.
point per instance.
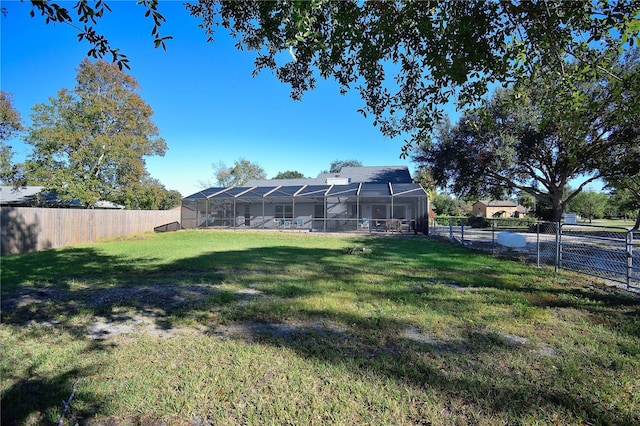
(493, 237)
(450, 229)
(558, 236)
(538, 244)
(462, 231)
(629, 257)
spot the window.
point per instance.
(379, 211)
(284, 211)
(399, 212)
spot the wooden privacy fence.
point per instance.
(25, 229)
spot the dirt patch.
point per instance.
(107, 328)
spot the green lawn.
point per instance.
(609, 222)
(285, 328)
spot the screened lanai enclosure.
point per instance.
(366, 207)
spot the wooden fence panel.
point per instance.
(25, 229)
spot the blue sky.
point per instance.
(206, 103)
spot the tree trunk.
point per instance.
(556, 205)
(637, 225)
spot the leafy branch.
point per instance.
(89, 14)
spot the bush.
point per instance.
(483, 222)
(515, 222)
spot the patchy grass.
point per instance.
(279, 328)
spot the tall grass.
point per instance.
(279, 328)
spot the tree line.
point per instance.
(588, 204)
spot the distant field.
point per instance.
(285, 328)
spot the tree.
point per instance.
(242, 172)
(526, 200)
(622, 164)
(445, 205)
(624, 203)
(89, 143)
(289, 174)
(406, 58)
(337, 165)
(537, 138)
(627, 188)
(153, 195)
(425, 178)
(10, 124)
(589, 204)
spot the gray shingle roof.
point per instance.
(370, 174)
(378, 174)
(26, 196)
(18, 196)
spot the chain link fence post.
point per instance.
(493, 237)
(629, 258)
(538, 244)
(558, 234)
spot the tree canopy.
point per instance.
(407, 59)
(589, 204)
(625, 203)
(239, 174)
(10, 124)
(153, 195)
(538, 137)
(337, 165)
(289, 174)
(622, 168)
(446, 205)
(89, 143)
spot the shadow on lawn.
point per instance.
(35, 400)
(281, 277)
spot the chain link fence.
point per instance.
(610, 253)
(602, 251)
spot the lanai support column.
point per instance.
(358, 206)
(206, 213)
(235, 216)
(391, 194)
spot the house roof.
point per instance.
(368, 174)
(10, 196)
(497, 203)
(369, 181)
(374, 174)
(26, 196)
